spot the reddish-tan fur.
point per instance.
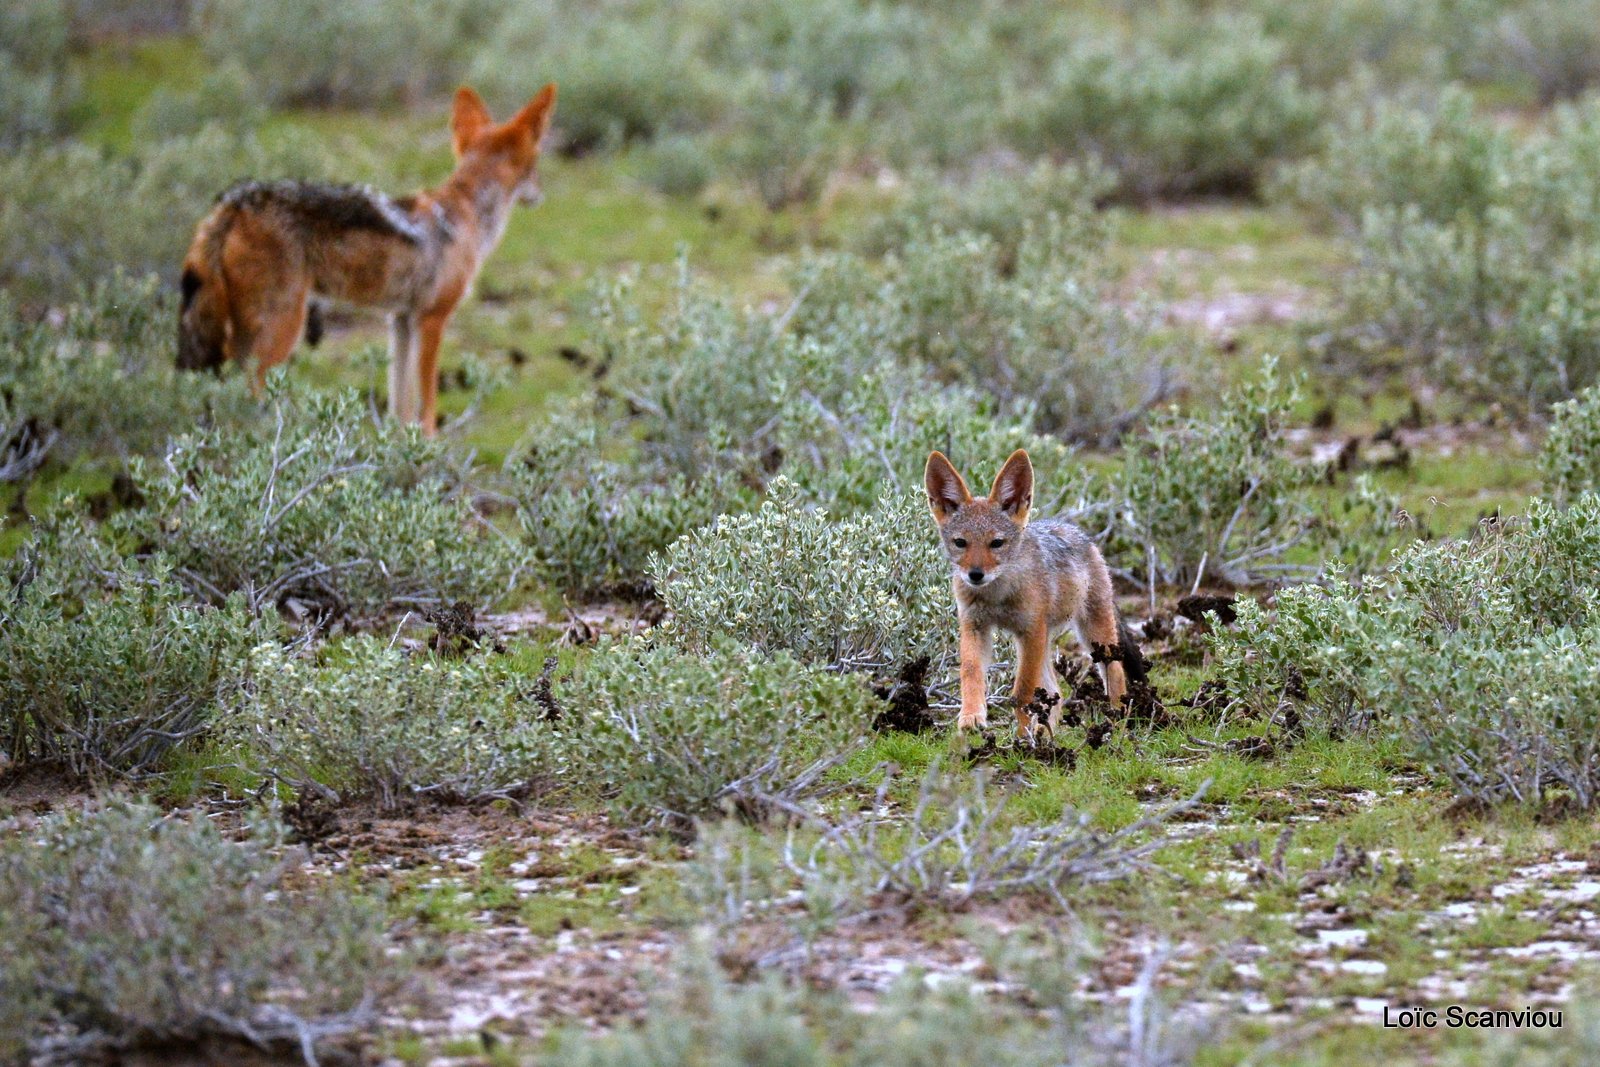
(258, 258)
(1030, 580)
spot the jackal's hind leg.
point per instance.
(404, 340)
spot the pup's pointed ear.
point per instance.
(946, 490)
(1013, 487)
(468, 118)
(535, 116)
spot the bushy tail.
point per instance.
(1133, 664)
(203, 301)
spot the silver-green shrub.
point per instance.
(362, 720)
(72, 212)
(1478, 653)
(362, 53)
(1570, 459)
(36, 82)
(1004, 204)
(126, 927)
(1218, 495)
(316, 507)
(1040, 331)
(698, 1016)
(628, 69)
(955, 842)
(110, 681)
(1187, 106)
(100, 383)
(671, 737)
(1477, 251)
(591, 523)
(864, 592)
(1552, 45)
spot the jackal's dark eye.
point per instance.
(959, 542)
(997, 542)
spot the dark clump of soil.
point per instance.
(310, 818)
(907, 699)
(550, 709)
(123, 494)
(1211, 696)
(1142, 704)
(1194, 608)
(596, 369)
(1098, 734)
(456, 631)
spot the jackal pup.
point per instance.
(268, 248)
(1030, 579)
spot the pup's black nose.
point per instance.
(975, 576)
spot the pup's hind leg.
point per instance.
(1097, 627)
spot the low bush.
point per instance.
(703, 383)
(1002, 204)
(1430, 153)
(1218, 496)
(1471, 651)
(590, 523)
(226, 98)
(954, 844)
(874, 439)
(785, 144)
(100, 383)
(1477, 250)
(698, 1016)
(1186, 107)
(1396, 42)
(375, 52)
(318, 510)
(628, 69)
(126, 928)
(868, 592)
(1551, 45)
(72, 212)
(1570, 458)
(673, 737)
(110, 682)
(1042, 334)
(363, 720)
(36, 84)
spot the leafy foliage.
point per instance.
(365, 720)
(673, 737)
(36, 84)
(128, 928)
(1219, 495)
(1184, 107)
(100, 384)
(304, 52)
(1473, 651)
(1570, 459)
(113, 681)
(590, 523)
(314, 508)
(867, 592)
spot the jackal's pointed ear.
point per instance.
(1013, 487)
(535, 117)
(946, 489)
(469, 118)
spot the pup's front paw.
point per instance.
(969, 720)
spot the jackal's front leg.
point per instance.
(1033, 673)
(976, 647)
